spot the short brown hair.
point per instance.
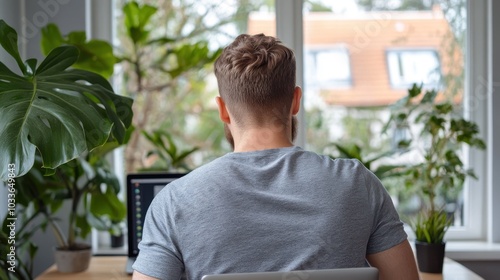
(256, 78)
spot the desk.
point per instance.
(113, 268)
(109, 268)
(451, 270)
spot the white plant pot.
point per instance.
(72, 261)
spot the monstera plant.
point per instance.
(57, 110)
(57, 121)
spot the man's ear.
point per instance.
(297, 96)
(223, 113)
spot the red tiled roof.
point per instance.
(367, 37)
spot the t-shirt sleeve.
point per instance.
(387, 227)
(159, 256)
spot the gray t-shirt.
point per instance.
(280, 209)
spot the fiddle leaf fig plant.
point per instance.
(54, 109)
(440, 169)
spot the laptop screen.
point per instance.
(141, 189)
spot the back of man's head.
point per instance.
(256, 78)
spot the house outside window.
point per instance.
(327, 68)
(389, 48)
(406, 67)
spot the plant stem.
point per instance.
(74, 208)
(63, 243)
(140, 120)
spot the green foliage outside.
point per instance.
(167, 65)
(169, 156)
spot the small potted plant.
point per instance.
(117, 235)
(430, 228)
(436, 168)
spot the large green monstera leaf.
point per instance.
(59, 111)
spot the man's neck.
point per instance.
(261, 139)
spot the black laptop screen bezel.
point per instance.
(130, 202)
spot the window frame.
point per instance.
(478, 218)
(480, 224)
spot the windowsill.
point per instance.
(473, 251)
(108, 251)
(455, 250)
(465, 250)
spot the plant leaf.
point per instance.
(51, 38)
(58, 60)
(107, 204)
(94, 55)
(83, 225)
(429, 97)
(136, 19)
(60, 112)
(349, 151)
(8, 40)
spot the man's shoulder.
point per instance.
(348, 163)
(200, 175)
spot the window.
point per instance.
(349, 102)
(169, 74)
(413, 66)
(390, 47)
(327, 68)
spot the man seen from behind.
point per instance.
(270, 205)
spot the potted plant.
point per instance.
(437, 168)
(117, 238)
(430, 228)
(89, 187)
(53, 119)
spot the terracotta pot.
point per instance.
(430, 256)
(68, 261)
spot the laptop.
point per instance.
(141, 189)
(359, 273)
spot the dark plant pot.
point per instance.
(430, 256)
(73, 261)
(117, 241)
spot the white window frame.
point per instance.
(493, 121)
(480, 72)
